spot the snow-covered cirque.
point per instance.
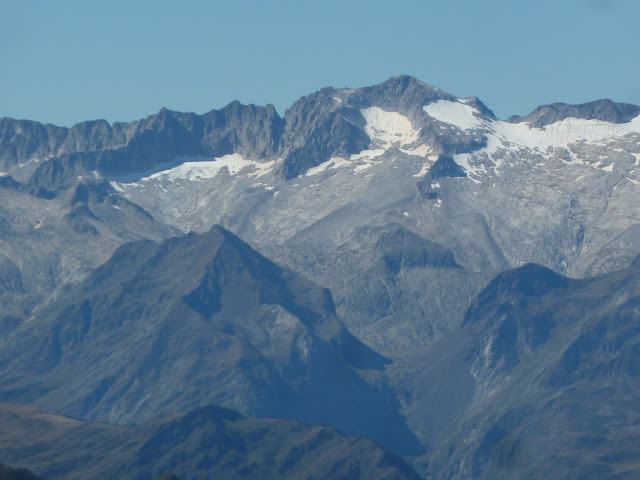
(503, 135)
(560, 133)
(388, 128)
(454, 113)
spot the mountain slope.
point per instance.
(195, 320)
(410, 204)
(209, 442)
(497, 194)
(342, 161)
(51, 155)
(50, 239)
(8, 473)
(546, 381)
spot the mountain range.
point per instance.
(392, 261)
(204, 443)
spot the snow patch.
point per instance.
(360, 162)
(200, 168)
(511, 136)
(500, 133)
(195, 171)
(388, 128)
(364, 166)
(369, 154)
(334, 162)
(421, 151)
(463, 160)
(454, 113)
(423, 171)
(559, 134)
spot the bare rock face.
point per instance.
(401, 248)
(605, 110)
(53, 156)
(552, 364)
(330, 123)
(412, 206)
(195, 320)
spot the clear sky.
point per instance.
(64, 61)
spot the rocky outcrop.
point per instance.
(62, 154)
(605, 110)
(201, 318)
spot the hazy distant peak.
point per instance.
(605, 109)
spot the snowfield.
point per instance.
(389, 128)
(502, 136)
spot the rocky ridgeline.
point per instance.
(384, 300)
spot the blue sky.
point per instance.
(66, 61)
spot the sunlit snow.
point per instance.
(208, 169)
(388, 128)
(334, 162)
(454, 113)
(421, 151)
(368, 154)
(564, 132)
(505, 135)
(203, 169)
(423, 171)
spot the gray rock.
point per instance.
(605, 110)
(195, 320)
(405, 233)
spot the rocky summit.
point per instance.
(393, 261)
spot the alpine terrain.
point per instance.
(249, 295)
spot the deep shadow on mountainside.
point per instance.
(410, 204)
(551, 368)
(195, 320)
(9, 473)
(205, 443)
